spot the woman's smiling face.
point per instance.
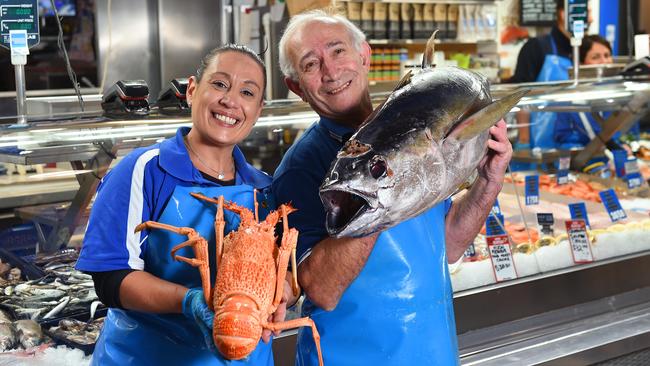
(228, 99)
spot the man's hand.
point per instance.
(281, 311)
(493, 166)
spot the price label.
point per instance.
(470, 252)
(580, 245)
(532, 190)
(632, 174)
(563, 170)
(579, 212)
(501, 257)
(494, 225)
(612, 205)
(496, 208)
(545, 223)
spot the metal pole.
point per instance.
(21, 100)
(576, 59)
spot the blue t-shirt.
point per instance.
(140, 188)
(570, 130)
(137, 190)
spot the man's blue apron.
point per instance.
(542, 129)
(398, 311)
(135, 338)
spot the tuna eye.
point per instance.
(378, 168)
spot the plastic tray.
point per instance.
(82, 316)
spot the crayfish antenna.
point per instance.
(257, 217)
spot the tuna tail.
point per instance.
(480, 121)
(427, 57)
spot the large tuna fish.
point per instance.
(413, 151)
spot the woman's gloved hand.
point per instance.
(195, 309)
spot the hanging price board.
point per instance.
(612, 205)
(580, 244)
(532, 190)
(501, 257)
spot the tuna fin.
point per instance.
(427, 57)
(486, 117)
(404, 81)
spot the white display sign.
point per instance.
(501, 257)
(579, 240)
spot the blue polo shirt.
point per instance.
(137, 190)
(300, 174)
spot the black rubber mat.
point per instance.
(640, 358)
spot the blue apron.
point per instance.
(398, 311)
(135, 338)
(542, 129)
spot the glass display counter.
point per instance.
(498, 320)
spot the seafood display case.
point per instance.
(549, 307)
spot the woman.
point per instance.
(157, 311)
(577, 129)
(595, 50)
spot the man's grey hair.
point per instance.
(298, 23)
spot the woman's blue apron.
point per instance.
(542, 129)
(398, 311)
(135, 338)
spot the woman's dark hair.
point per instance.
(209, 57)
(588, 42)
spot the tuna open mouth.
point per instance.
(341, 208)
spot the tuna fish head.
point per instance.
(413, 152)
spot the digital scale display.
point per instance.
(19, 15)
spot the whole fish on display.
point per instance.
(414, 151)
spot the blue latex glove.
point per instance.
(195, 309)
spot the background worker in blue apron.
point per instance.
(158, 314)
(384, 299)
(577, 129)
(543, 58)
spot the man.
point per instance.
(547, 57)
(384, 299)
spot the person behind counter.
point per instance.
(577, 129)
(547, 57)
(157, 312)
(384, 299)
(544, 58)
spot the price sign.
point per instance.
(579, 212)
(532, 190)
(493, 225)
(501, 257)
(545, 223)
(580, 245)
(563, 170)
(470, 252)
(496, 209)
(612, 205)
(632, 174)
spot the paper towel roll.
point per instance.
(641, 45)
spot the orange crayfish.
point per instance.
(251, 270)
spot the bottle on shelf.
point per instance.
(406, 15)
(393, 20)
(379, 20)
(367, 9)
